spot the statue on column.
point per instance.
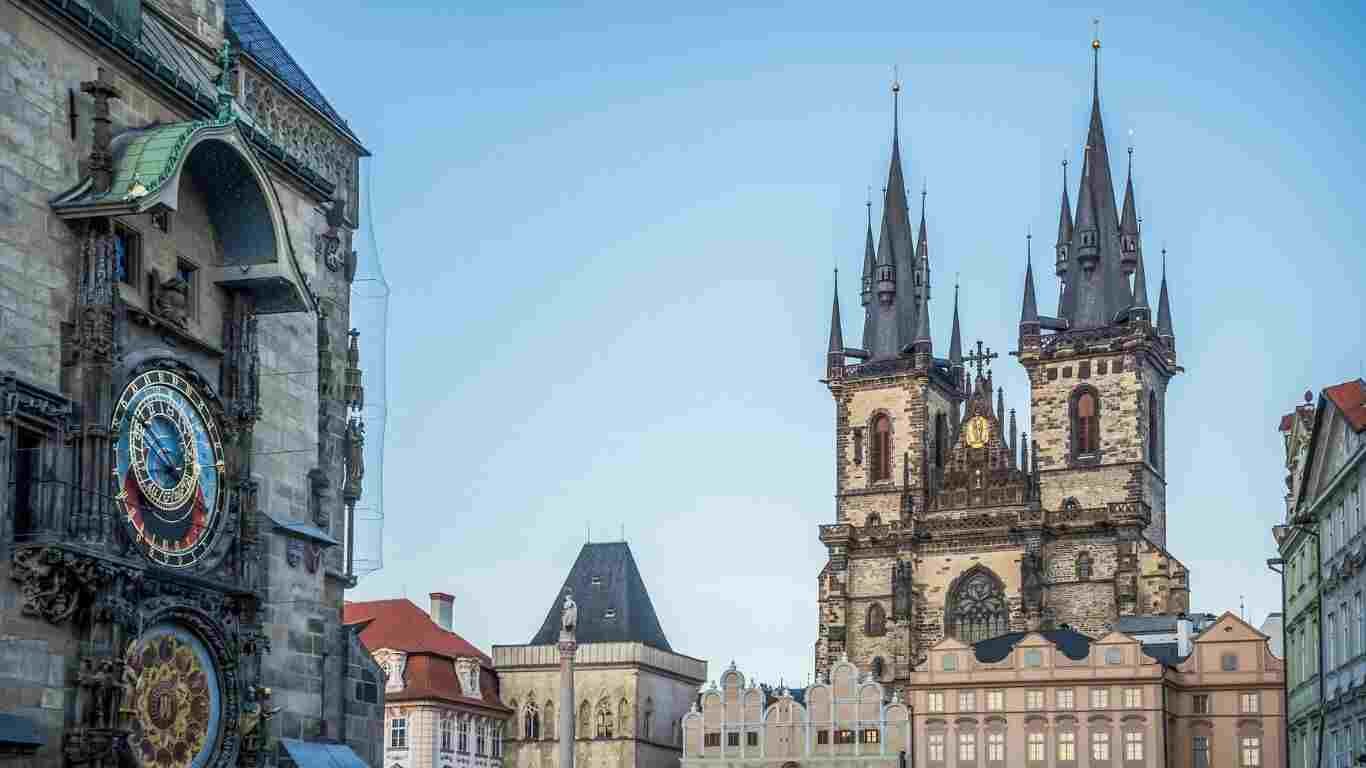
(569, 615)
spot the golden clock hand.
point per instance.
(161, 449)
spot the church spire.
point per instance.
(834, 357)
(956, 345)
(1029, 312)
(866, 295)
(1097, 292)
(1140, 309)
(923, 340)
(1128, 224)
(895, 260)
(1164, 309)
(1064, 227)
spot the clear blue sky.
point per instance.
(609, 234)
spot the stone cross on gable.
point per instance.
(981, 360)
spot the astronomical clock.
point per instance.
(168, 467)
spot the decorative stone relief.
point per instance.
(292, 127)
(52, 583)
(467, 671)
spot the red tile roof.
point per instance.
(1350, 398)
(402, 626)
(429, 672)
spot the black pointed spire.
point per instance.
(1128, 224)
(1000, 403)
(1014, 436)
(836, 332)
(923, 340)
(1140, 309)
(867, 295)
(895, 260)
(955, 336)
(1164, 309)
(1096, 292)
(1029, 311)
(1064, 242)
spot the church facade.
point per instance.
(951, 521)
(179, 395)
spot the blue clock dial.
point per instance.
(168, 467)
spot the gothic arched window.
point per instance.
(1083, 566)
(624, 718)
(605, 723)
(1153, 452)
(548, 720)
(647, 720)
(941, 440)
(882, 447)
(977, 607)
(531, 722)
(876, 624)
(1085, 423)
(583, 717)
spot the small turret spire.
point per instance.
(955, 336)
(1164, 309)
(1064, 242)
(836, 331)
(1140, 309)
(1001, 403)
(1029, 312)
(1128, 224)
(1014, 436)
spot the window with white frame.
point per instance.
(1133, 698)
(996, 747)
(1067, 747)
(934, 701)
(462, 735)
(1034, 699)
(1250, 751)
(1100, 698)
(1330, 660)
(1345, 638)
(1360, 624)
(1340, 519)
(398, 732)
(447, 735)
(967, 747)
(1133, 747)
(936, 747)
(1249, 703)
(497, 739)
(967, 701)
(1200, 752)
(1034, 748)
(480, 737)
(1100, 747)
(996, 701)
(1064, 697)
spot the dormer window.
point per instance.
(596, 581)
(610, 613)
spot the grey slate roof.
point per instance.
(1164, 308)
(618, 588)
(1138, 625)
(1073, 644)
(312, 754)
(251, 34)
(1029, 310)
(955, 337)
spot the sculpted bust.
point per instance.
(569, 615)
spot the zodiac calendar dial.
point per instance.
(168, 464)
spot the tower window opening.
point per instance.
(882, 448)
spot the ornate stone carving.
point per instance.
(276, 114)
(1031, 581)
(318, 486)
(93, 337)
(53, 583)
(171, 299)
(355, 391)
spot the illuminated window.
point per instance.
(1250, 704)
(1034, 748)
(1100, 747)
(967, 747)
(934, 701)
(1133, 746)
(996, 701)
(1034, 699)
(996, 747)
(967, 701)
(1100, 698)
(1067, 747)
(1064, 698)
(936, 744)
(1133, 698)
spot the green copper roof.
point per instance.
(149, 160)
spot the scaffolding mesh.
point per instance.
(370, 316)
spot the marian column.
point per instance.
(568, 619)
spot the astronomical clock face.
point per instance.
(169, 467)
(976, 431)
(176, 699)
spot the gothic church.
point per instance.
(949, 520)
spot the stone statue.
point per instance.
(355, 459)
(569, 615)
(1031, 580)
(172, 301)
(902, 585)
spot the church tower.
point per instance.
(894, 411)
(949, 520)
